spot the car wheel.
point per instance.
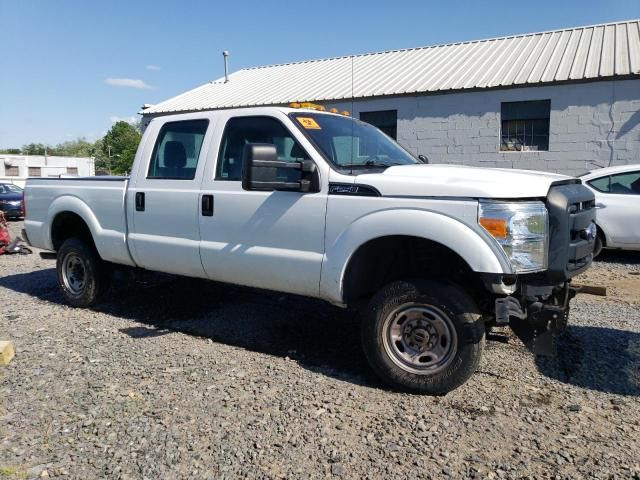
(598, 244)
(83, 276)
(423, 336)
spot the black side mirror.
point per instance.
(423, 158)
(261, 170)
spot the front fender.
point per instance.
(481, 252)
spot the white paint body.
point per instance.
(286, 241)
(618, 214)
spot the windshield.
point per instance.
(350, 143)
(8, 188)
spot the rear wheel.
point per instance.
(83, 276)
(423, 336)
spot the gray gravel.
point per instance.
(178, 378)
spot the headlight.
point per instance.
(521, 229)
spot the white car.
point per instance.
(617, 191)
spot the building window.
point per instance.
(35, 171)
(385, 120)
(525, 125)
(11, 171)
(72, 170)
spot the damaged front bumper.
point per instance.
(537, 315)
(536, 306)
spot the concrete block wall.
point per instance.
(591, 124)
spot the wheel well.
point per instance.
(66, 225)
(386, 259)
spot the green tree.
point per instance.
(11, 151)
(36, 149)
(74, 148)
(119, 147)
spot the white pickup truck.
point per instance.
(323, 205)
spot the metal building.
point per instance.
(564, 101)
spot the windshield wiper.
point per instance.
(370, 163)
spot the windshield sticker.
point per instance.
(308, 123)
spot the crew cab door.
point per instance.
(163, 199)
(272, 240)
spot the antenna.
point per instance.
(225, 54)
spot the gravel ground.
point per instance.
(177, 378)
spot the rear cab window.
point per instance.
(175, 154)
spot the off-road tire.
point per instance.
(96, 277)
(446, 298)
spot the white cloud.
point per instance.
(126, 82)
(154, 68)
(132, 119)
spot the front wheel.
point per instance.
(423, 336)
(82, 275)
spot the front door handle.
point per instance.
(139, 201)
(600, 205)
(207, 205)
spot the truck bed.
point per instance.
(100, 201)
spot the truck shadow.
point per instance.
(318, 336)
(596, 358)
(627, 257)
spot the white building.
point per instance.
(563, 101)
(17, 168)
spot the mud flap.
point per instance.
(540, 329)
(539, 339)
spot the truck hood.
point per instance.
(422, 180)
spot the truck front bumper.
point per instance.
(536, 305)
(536, 315)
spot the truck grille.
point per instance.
(571, 216)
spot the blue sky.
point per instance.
(70, 68)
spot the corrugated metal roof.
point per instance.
(591, 52)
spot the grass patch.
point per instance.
(12, 472)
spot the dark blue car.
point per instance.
(11, 200)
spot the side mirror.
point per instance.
(262, 171)
(423, 158)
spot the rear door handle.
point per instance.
(600, 205)
(139, 201)
(207, 205)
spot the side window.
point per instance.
(175, 155)
(601, 184)
(626, 183)
(241, 131)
